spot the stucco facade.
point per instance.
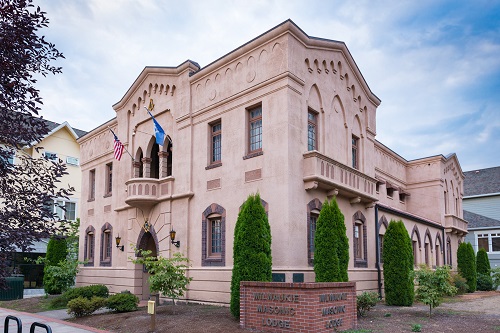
(286, 115)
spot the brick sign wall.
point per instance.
(298, 307)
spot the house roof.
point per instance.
(482, 181)
(55, 126)
(479, 221)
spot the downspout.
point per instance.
(377, 251)
(444, 249)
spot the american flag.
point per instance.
(118, 147)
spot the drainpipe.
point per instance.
(377, 251)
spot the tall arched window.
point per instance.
(213, 228)
(448, 252)
(359, 240)
(428, 248)
(106, 244)
(416, 244)
(89, 246)
(382, 228)
(439, 250)
(313, 210)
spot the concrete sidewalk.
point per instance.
(57, 325)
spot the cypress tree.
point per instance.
(57, 250)
(326, 258)
(466, 263)
(483, 263)
(252, 259)
(398, 265)
(331, 245)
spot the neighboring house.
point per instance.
(59, 143)
(286, 115)
(481, 204)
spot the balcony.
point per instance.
(144, 193)
(455, 224)
(337, 179)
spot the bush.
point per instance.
(82, 306)
(57, 279)
(495, 275)
(123, 302)
(432, 285)
(460, 283)
(331, 245)
(484, 282)
(252, 259)
(398, 265)
(87, 292)
(365, 302)
(482, 262)
(466, 263)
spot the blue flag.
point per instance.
(159, 132)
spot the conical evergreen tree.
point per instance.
(483, 263)
(466, 264)
(252, 259)
(398, 265)
(331, 246)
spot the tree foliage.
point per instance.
(57, 250)
(432, 285)
(466, 264)
(398, 265)
(29, 184)
(168, 275)
(482, 262)
(331, 245)
(252, 259)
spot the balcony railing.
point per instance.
(455, 224)
(146, 192)
(337, 178)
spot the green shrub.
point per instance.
(398, 265)
(331, 245)
(495, 275)
(466, 263)
(252, 259)
(482, 262)
(432, 285)
(365, 302)
(460, 283)
(123, 302)
(416, 328)
(82, 306)
(484, 282)
(87, 292)
(57, 250)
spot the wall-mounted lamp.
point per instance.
(118, 240)
(172, 237)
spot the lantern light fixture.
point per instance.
(118, 240)
(172, 237)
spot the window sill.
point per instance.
(213, 166)
(105, 263)
(359, 263)
(254, 154)
(107, 195)
(89, 264)
(91, 199)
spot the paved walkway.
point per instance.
(47, 318)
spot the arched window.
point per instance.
(213, 226)
(89, 246)
(382, 228)
(416, 244)
(448, 252)
(313, 209)
(428, 248)
(106, 244)
(312, 130)
(359, 240)
(155, 161)
(439, 250)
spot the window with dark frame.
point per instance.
(312, 232)
(358, 241)
(355, 152)
(215, 233)
(312, 124)
(107, 245)
(109, 179)
(92, 185)
(90, 246)
(415, 249)
(216, 143)
(255, 129)
(381, 246)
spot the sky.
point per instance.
(434, 64)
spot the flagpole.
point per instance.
(133, 160)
